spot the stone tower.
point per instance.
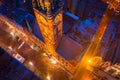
(49, 17)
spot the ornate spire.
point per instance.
(48, 7)
(42, 4)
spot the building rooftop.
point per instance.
(69, 49)
(47, 7)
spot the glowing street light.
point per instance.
(89, 65)
(45, 54)
(30, 63)
(89, 61)
(53, 61)
(11, 49)
(12, 34)
(48, 77)
(32, 46)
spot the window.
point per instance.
(56, 33)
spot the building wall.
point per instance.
(111, 51)
(117, 54)
(51, 29)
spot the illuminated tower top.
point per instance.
(47, 7)
(49, 17)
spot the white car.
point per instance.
(19, 58)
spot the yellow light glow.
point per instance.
(44, 54)
(48, 77)
(89, 61)
(32, 46)
(11, 33)
(53, 61)
(30, 63)
(10, 48)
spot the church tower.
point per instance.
(49, 17)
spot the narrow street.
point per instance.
(35, 58)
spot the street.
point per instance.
(36, 60)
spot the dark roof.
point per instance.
(68, 48)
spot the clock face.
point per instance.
(57, 19)
(43, 20)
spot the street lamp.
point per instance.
(53, 61)
(11, 49)
(48, 77)
(30, 63)
(12, 34)
(45, 54)
(32, 46)
(89, 65)
(89, 61)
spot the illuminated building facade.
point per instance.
(49, 18)
(65, 48)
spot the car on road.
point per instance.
(19, 57)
